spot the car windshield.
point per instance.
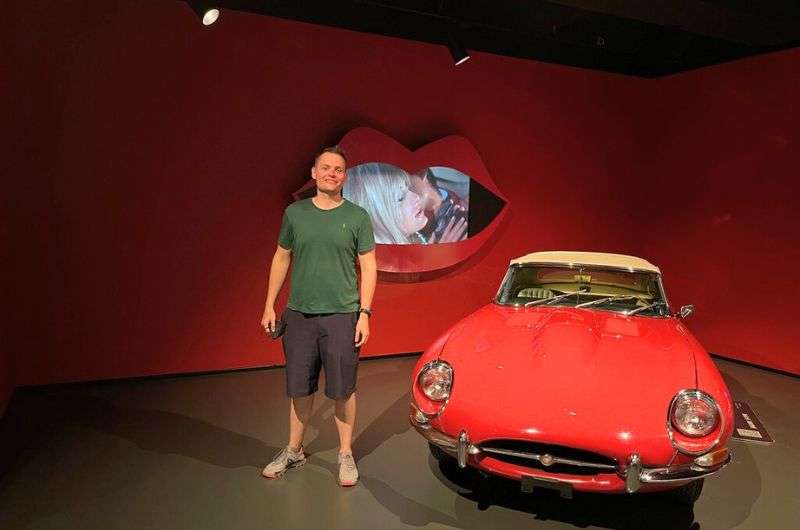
(629, 292)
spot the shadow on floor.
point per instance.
(32, 451)
(743, 475)
(150, 430)
(391, 422)
(653, 511)
(64, 416)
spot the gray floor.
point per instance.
(186, 453)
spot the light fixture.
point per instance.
(207, 13)
(459, 53)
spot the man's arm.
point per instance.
(277, 275)
(369, 277)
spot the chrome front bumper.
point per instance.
(633, 472)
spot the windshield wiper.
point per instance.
(548, 301)
(645, 307)
(608, 299)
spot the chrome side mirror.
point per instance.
(686, 311)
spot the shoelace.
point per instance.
(284, 453)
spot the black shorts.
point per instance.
(324, 341)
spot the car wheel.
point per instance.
(688, 493)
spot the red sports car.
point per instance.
(578, 377)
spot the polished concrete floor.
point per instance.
(185, 453)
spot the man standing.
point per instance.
(326, 321)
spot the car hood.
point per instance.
(557, 373)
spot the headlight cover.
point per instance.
(435, 380)
(694, 413)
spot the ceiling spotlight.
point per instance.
(459, 53)
(207, 13)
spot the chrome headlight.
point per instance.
(694, 413)
(435, 380)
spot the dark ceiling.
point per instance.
(648, 38)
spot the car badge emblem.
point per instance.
(547, 460)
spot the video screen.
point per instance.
(423, 208)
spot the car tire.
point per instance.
(688, 493)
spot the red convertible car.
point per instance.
(578, 377)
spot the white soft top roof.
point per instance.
(600, 259)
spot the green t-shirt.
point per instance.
(324, 245)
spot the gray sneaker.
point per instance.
(348, 472)
(285, 459)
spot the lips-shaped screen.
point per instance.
(431, 208)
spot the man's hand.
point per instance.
(277, 273)
(268, 320)
(454, 231)
(362, 329)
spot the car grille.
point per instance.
(548, 457)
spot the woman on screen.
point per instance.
(384, 191)
(397, 212)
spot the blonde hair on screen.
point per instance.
(379, 188)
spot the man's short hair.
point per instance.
(336, 150)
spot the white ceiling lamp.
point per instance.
(205, 11)
(459, 53)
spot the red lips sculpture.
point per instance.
(364, 145)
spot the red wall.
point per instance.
(165, 153)
(721, 180)
(154, 158)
